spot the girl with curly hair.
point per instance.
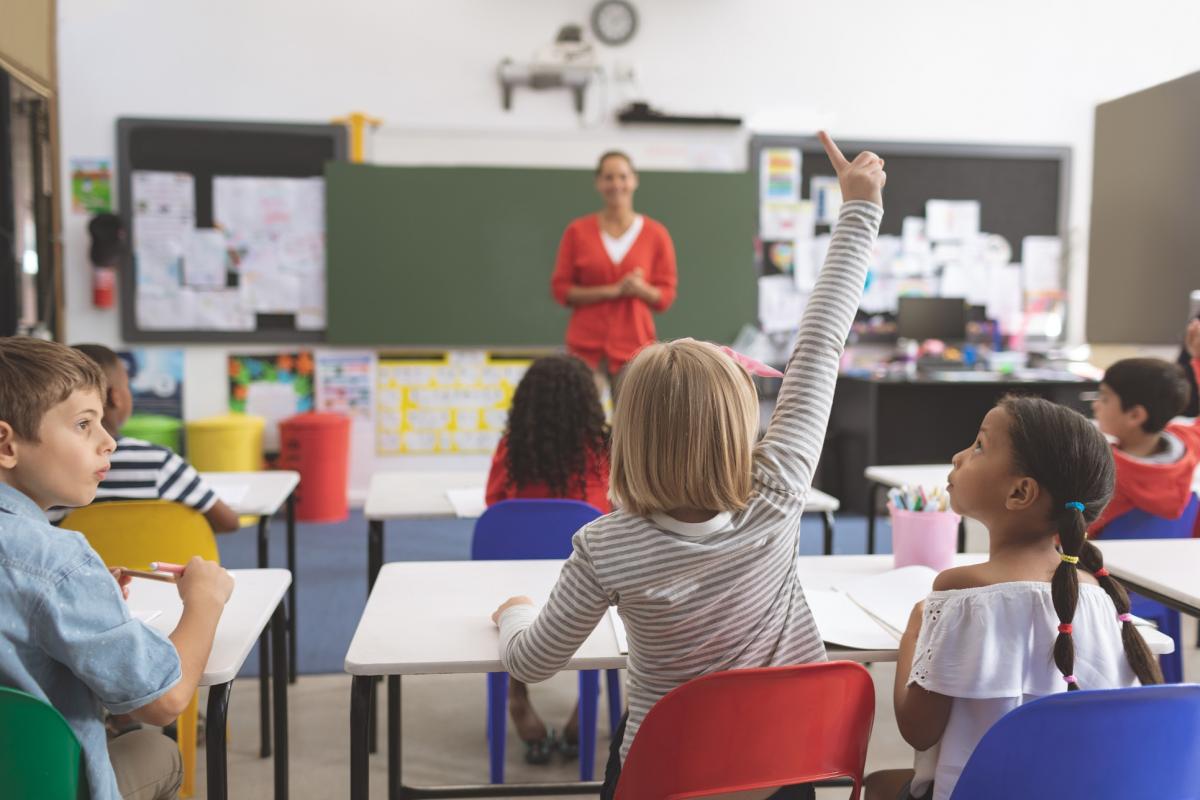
(555, 445)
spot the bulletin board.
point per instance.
(1021, 193)
(226, 225)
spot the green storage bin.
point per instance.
(154, 428)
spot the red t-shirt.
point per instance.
(595, 482)
(613, 329)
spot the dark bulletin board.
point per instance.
(462, 256)
(1023, 191)
(206, 149)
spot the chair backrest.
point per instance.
(132, 533)
(526, 529)
(1103, 744)
(754, 728)
(1138, 524)
(39, 754)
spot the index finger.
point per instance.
(831, 149)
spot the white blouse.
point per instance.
(992, 649)
(618, 246)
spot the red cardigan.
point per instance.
(1163, 490)
(596, 482)
(615, 329)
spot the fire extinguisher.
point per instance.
(108, 242)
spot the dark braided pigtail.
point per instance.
(1064, 588)
(1143, 662)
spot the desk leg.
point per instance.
(394, 751)
(872, 505)
(264, 658)
(280, 685)
(360, 712)
(214, 741)
(374, 564)
(827, 519)
(293, 611)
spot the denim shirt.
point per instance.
(66, 636)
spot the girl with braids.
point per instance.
(1040, 616)
(555, 445)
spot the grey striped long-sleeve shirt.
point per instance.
(706, 597)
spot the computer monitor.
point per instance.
(923, 318)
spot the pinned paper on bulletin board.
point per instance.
(1041, 257)
(780, 171)
(345, 383)
(273, 387)
(155, 380)
(826, 195)
(452, 403)
(786, 220)
(778, 257)
(780, 303)
(951, 220)
(91, 185)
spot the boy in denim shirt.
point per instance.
(66, 636)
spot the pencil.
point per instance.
(154, 576)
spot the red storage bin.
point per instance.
(317, 445)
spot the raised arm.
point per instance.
(788, 453)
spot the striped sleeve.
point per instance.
(178, 481)
(787, 455)
(534, 646)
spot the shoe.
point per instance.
(539, 751)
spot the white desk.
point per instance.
(257, 600)
(422, 495)
(903, 475)
(1165, 570)
(265, 492)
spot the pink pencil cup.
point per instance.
(929, 538)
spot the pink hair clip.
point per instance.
(751, 365)
(1069, 679)
(1126, 617)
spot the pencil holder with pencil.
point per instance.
(925, 533)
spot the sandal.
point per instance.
(539, 751)
(568, 750)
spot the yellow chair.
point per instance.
(133, 533)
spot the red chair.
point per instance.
(753, 729)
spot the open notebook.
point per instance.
(871, 612)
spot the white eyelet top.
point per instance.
(992, 649)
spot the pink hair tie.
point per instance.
(751, 365)
(1069, 679)
(1126, 617)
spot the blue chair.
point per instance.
(1138, 524)
(1108, 744)
(535, 529)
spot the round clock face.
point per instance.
(614, 21)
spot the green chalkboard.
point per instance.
(462, 256)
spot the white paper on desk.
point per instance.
(1042, 259)
(467, 503)
(619, 629)
(231, 494)
(780, 304)
(890, 597)
(841, 622)
(954, 220)
(145, 615)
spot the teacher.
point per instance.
(615, 268)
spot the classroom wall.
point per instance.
(1025, 72)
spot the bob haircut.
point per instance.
(683, 431)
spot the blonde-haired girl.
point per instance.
(700, 556)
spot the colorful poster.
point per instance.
(91, 185)
(779, 171)
(273, 387)
(452, 403)
(156, 380)
(345, 383)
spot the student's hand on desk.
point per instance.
(204, 581)
(520, 600)
(860, 179)
(122, 581)
(1193, 338)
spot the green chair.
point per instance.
(39, 754)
